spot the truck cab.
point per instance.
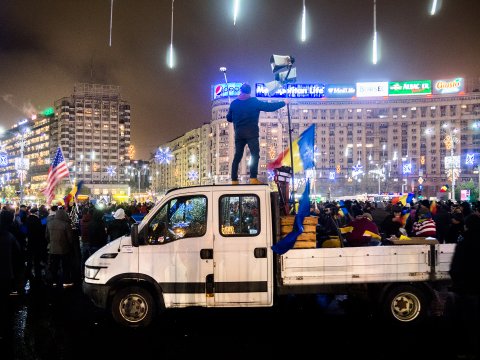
(205, 246)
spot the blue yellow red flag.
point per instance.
(302, 150)
(289, 240)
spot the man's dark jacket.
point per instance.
(244, 113)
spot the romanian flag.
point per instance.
(444, 188)
(289, 240)
(343, 211)
(405, 199)
(405, 215)
(346, 229)
(433, 207)
(73, 193)
(372, 234)
(302, 150)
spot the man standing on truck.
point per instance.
(244, 112)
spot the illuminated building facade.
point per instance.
(93, 129)
(370, 137)
(34, 133)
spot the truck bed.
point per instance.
(370, 264)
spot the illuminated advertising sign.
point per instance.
(413, 87)
(221, 91)
(449, 86)
(372, 89)
(293, 91)
(340, 91)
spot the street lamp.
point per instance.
(22, 164)
(223, 69)
(478, 172)
(138, 172)
(450, 141)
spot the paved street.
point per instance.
(48, 324)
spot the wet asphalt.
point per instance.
(56, 324)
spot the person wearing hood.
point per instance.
(59, 236)
(244, 112)
(118, 226)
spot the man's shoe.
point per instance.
(255, 181)
(234, 182)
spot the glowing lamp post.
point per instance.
(22, 164)
(163, 156)
(452, 163)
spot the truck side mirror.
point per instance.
(134, 235)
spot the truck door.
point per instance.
(242, 257)
(180, 248)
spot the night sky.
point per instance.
(47, 46)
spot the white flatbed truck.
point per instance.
(210, 246)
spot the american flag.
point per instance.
(57, 171)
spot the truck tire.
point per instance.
(133, 307)
(405, 304)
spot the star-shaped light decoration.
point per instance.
(331, 175)
(111, 171)
(470, 159)
(357, 167)
(407, 168)
(163, 156)
(357, 170)
(270, 175)
(192, 175)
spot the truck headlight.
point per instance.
(91, 272)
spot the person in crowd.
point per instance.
(455, 230)
(244, 112)
(60, 248)
(84, 235)
(442, 221)
(362, 231)
(392, 224)
(10, 255)
(118, 226)
(379, 214)
(76, 264)
(424, 226)
(129, 217)
(465, 275)
(51, 213)
(97, 231)
(36, 246)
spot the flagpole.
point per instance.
(290, 130)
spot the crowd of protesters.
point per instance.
(49, 246)
(52, 245)
(442, 220)
(370, 223)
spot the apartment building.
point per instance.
(92, 126)
(413, 135)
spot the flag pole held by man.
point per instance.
(244, 113)
(57, 171)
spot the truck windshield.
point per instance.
(181, 217)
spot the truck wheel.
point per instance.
(405, 304)
(133, 307)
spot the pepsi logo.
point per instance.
(218, 90)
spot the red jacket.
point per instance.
(360, 225)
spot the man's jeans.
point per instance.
(254, 147)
